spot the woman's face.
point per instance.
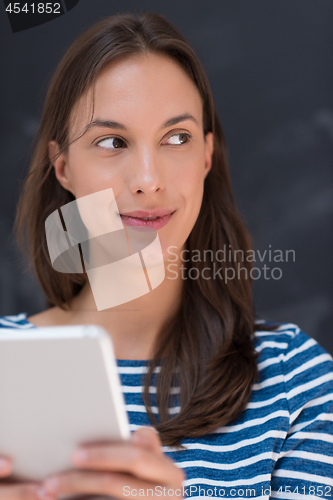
(145, 141)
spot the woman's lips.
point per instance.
(156, 224)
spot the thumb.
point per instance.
(5, 466)
(148, 438)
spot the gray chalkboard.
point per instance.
(271, 70)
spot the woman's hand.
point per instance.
(15, 490)
(120, 470)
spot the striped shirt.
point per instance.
(280, 446)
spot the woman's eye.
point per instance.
(178, 139)
(111, 143)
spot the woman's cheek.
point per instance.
(188, 169)
(91, 177)
(190, 182)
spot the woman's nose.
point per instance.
(146, 174)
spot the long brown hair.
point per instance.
(209, 342)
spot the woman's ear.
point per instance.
(60, 165)
(209, 149)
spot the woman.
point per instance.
(130, 108)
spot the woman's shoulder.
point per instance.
(290, 357)
(15, 321)
(287, 343)
(50, 317)
(283, 338)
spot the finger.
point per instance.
(142, 463)
(113, 484)
(19, 492)
(148, 438)
(5, 466)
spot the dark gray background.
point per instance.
(271, 70)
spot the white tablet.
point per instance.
(59, 387)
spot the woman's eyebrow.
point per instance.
(119, 126)
(178, 119)
(105, 124)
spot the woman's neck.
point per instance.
(133, 326)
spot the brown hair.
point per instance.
(209, 342)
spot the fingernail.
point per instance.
(138, 439)
(43, 494)
(80, 455)
(51, 485)
(3, 463)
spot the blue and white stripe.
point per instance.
(280, 446)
